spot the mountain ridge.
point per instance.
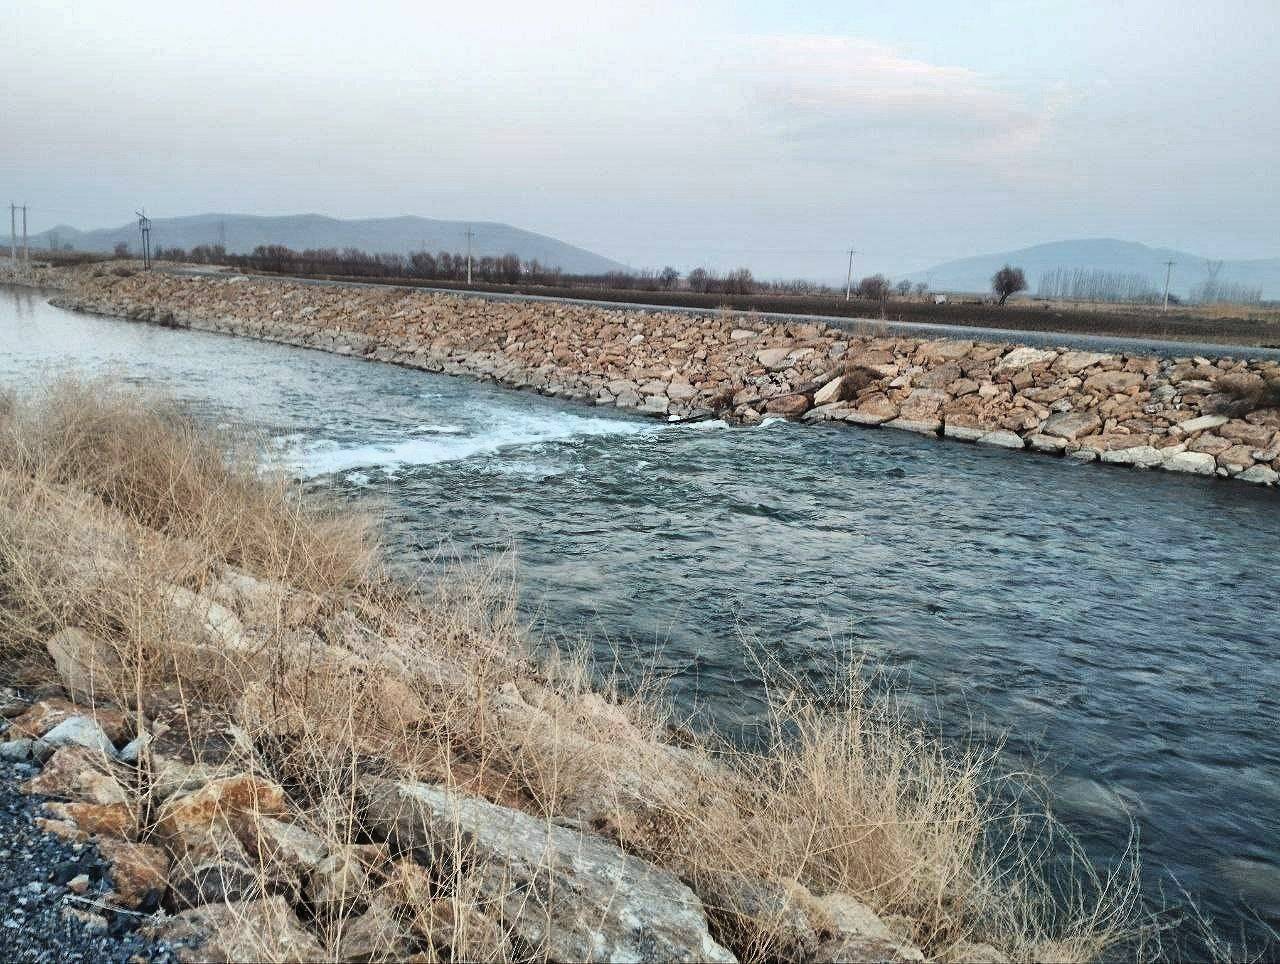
(1108, 254)
(400, 234)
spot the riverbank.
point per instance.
(284, 752)
(1208, 416)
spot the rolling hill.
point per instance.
(1124, 257)
(401, 235)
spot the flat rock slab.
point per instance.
(569, 896)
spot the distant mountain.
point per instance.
(402, 235)
(1123, 257)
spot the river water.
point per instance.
(1117, 630)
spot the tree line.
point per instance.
(510, 269)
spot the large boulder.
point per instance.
(563, 894)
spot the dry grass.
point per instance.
(124, 519)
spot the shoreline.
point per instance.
(1205, 416)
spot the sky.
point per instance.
(768, 135)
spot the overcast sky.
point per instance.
(765, 134)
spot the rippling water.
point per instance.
(1117, 629)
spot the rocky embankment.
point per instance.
(1207, 416)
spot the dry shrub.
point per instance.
(143, 458)
(119, 515)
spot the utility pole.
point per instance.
(469, 236)
(1168, 271)
(222, 234)
(848, 278)
(26, 251)
(144, 225)
(13, 233)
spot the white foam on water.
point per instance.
(508, 430)
(440, 429)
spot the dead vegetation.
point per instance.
(296, 716)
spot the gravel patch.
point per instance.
(42, 917)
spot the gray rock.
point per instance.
(15, 751)
(566, 895)
(82, 731)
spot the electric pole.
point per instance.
(222, 235)
(1168, 271)
(469, 236)
(13, 233)
(26, 251)
(848, 278)
(144, 225)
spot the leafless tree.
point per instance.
(1008, 281)
(903, 288)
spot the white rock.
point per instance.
(1004, 439)
(1259, 475)
(832, 391)
(1022, 357)
(742, 334)
(1046, 443)
(1198, 463)
(964, 433)
(1201, 423)
(1140, 456)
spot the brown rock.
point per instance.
(940, 377)
(190, 815)
(342, 878)
(139, 873)
(1246, 433)
(1071, 425)
(375, 935)
(1209, 443)
(922, 403)
(110, 819)
(77, 773)
(257, 930)
(1237, 457)
(873, 410)
(789, 406)
(1113, 383)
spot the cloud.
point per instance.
(825, 92)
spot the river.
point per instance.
(1117, 630)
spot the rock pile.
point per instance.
(1217, 416)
